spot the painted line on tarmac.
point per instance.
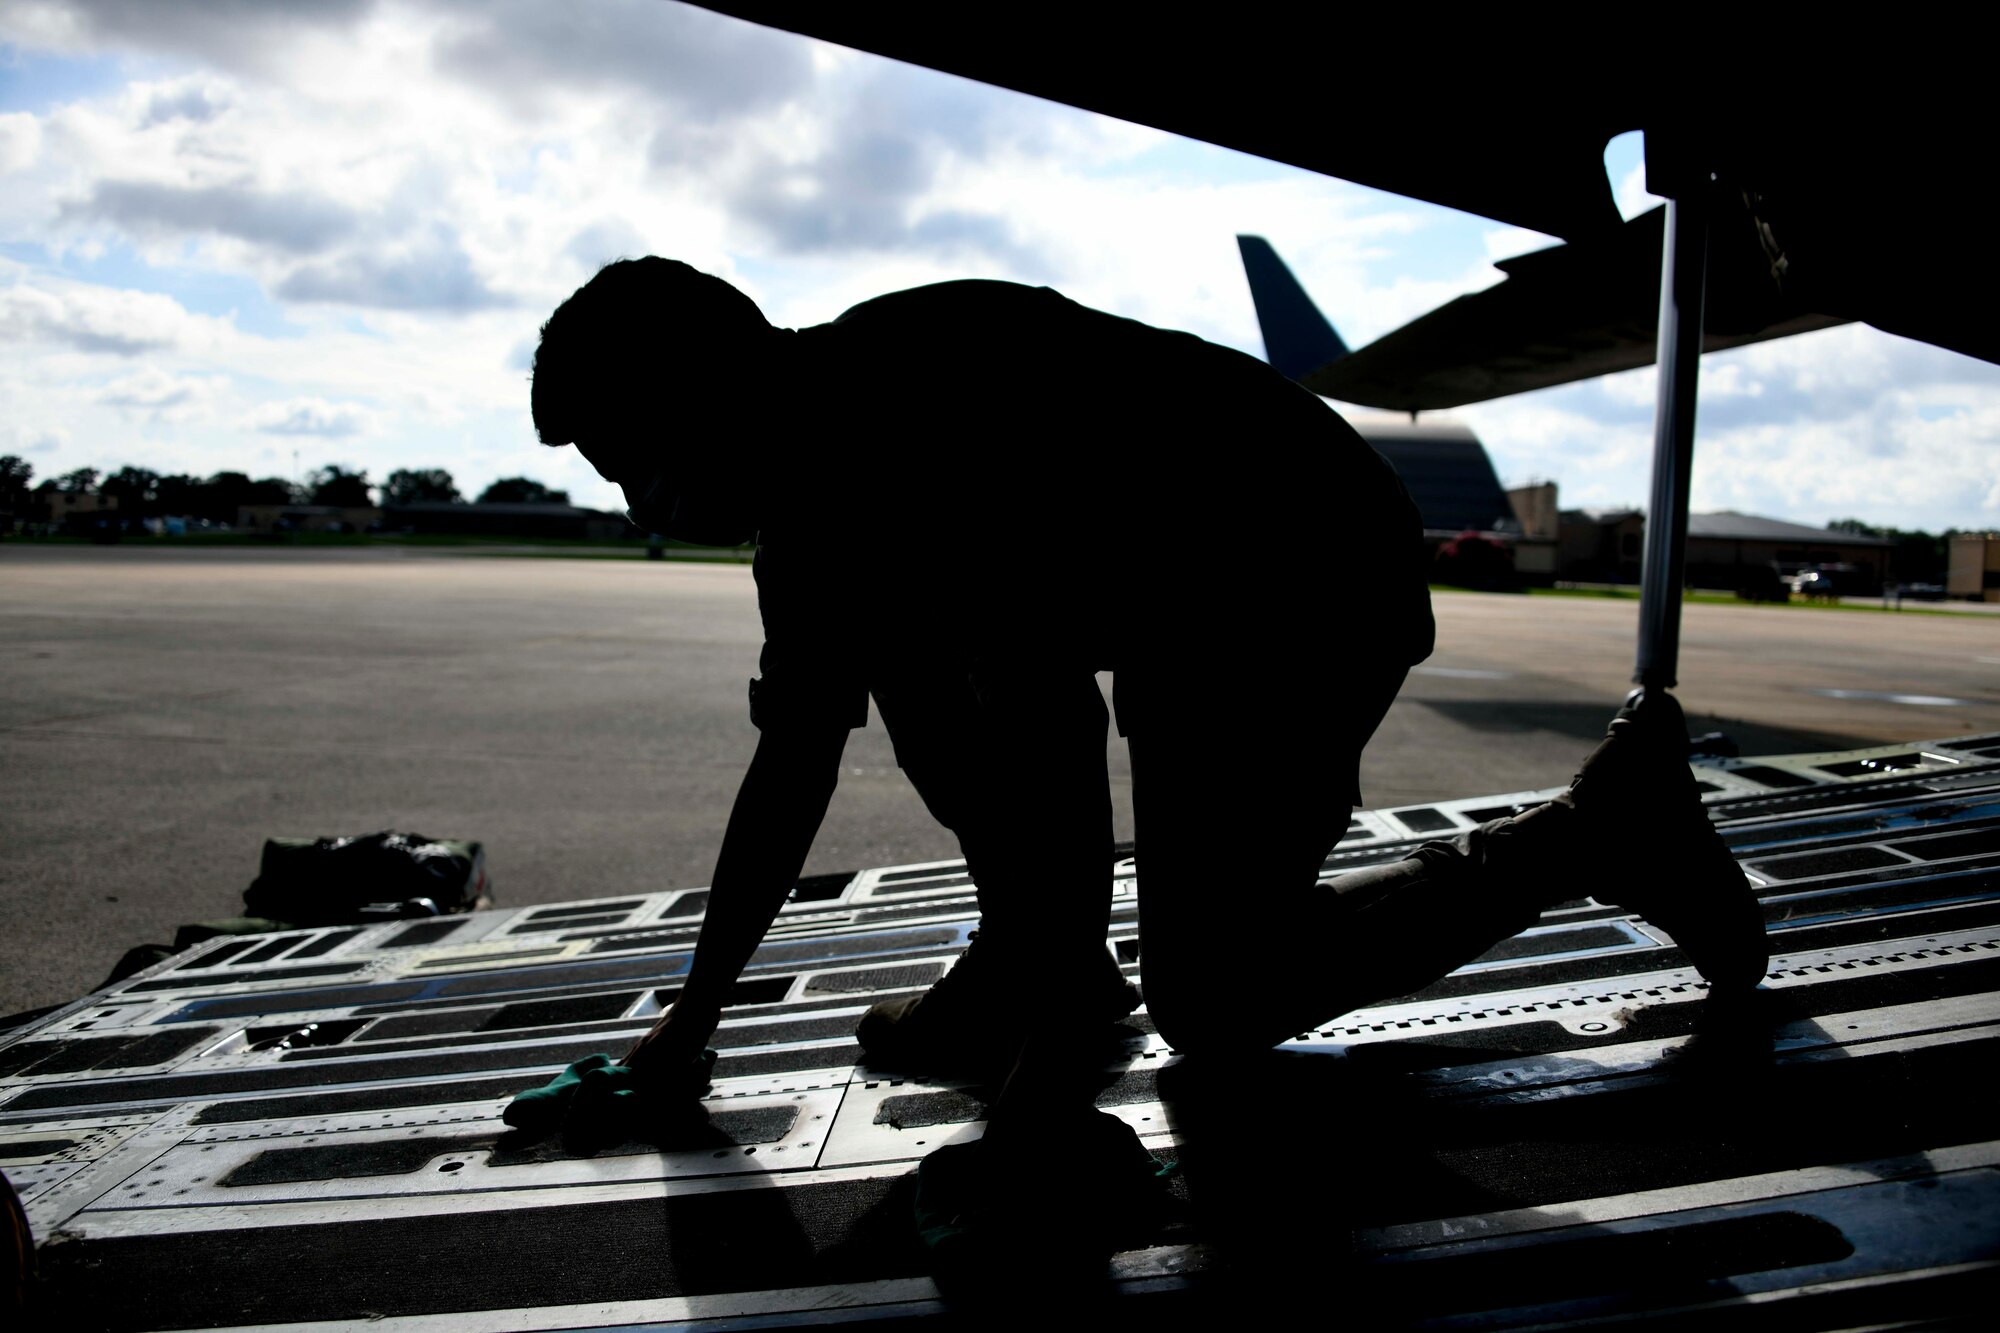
(1461, 673)
(1888, 696)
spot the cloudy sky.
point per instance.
(270, 237)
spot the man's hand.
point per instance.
(675, 1041)
(778, 809)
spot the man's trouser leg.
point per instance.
(1016, 768)
(1245, 943)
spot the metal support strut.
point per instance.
(1683, 275)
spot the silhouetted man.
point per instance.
(971, 497)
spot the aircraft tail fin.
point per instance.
(1297, 337)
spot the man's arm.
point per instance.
(771, 828)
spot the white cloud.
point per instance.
(1822, 470)
(1548, 436)
(1632, 195)
(1845, 422)
(250, 33)
(100, 319)
(531, 54)
(159, 396)
(288, 222)
(1730, 379)
(17, 439)
(1512, 242)
(433, 273)
(414, 184)
(194, 101)
(20, 141)
(1720, 378)
(310, 416)
(603, 241)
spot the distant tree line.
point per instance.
(1914, 556)
(140, 491)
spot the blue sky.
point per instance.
(232, 234)
(39, 82)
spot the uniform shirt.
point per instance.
(1013, 484)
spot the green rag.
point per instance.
(603, 1100)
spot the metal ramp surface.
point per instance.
(305, 1127)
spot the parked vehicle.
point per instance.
(1826, 581)
(1763, 583)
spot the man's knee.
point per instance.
(1199, 1020)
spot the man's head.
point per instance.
(649, 369)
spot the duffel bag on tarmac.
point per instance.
(328, 881)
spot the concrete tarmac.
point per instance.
(166, 709)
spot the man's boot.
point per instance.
(972, 1019)
(1659, 855)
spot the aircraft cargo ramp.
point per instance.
(305, 1127)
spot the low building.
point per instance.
(1536, 510)
(1537, 550)
(1736, 551)
(436, 518)
(1445, 468)
(1975, 567)
(308, 518)
(1725, 550)
(1447, 472)
(69, 509)
(1600, 545)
